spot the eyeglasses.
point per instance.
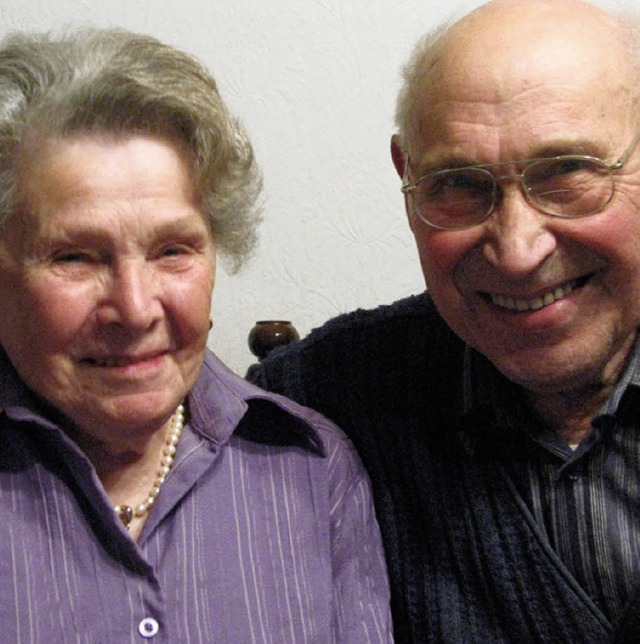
(563, 186)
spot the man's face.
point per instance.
(518, 91)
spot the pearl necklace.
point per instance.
(126, 512)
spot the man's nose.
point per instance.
(517, 235)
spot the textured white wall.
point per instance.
(314, 82)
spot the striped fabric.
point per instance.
(263, 532)
(585, 499)
(467, 559)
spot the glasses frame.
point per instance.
(407, 188)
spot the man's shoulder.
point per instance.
(364, 351)
(411, 318)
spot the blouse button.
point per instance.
(148, 627)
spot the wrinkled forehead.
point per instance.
(530, 66)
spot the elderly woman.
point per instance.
(145, 490)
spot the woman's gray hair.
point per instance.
(114, 82)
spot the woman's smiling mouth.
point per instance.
(121, 361)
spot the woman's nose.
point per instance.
(131, 298)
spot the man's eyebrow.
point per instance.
(569, 147)
(561, 147)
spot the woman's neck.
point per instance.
(129, 475)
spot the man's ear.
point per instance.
(398, 156)
(399, 159)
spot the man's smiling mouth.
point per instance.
(520, 305)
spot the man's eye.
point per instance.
(449, 184)
(571, 165)
(563, 167)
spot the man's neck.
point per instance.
(570, 410)
(570, 413)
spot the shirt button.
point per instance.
(148, 627)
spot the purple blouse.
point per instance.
(264, 530)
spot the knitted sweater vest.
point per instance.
(466, 560)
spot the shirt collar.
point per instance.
(627, 383)
(17, 400)
(220, 403)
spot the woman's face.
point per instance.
(105, 282)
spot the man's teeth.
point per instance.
(517, 304)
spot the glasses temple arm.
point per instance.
(627, 154)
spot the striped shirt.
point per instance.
(264, 531)
(585, 500)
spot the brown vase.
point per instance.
(266, 335)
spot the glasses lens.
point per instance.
(569, 186)
(454, 198)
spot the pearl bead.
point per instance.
(167, 461)
(125, 512)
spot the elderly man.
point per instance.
(499, 414)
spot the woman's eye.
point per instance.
(173, 251)
(72, 257)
